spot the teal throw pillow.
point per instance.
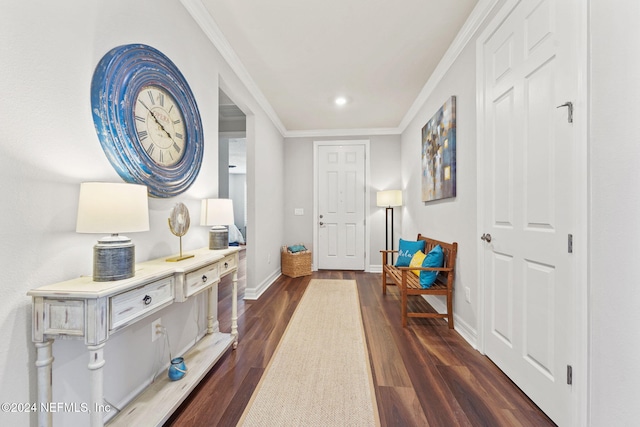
(296, 248)
(406, 250)
(434, 259)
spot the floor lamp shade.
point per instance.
(389, 199)
(218, 213)
(113, 208)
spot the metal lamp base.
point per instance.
(113, 259)
(218, 238)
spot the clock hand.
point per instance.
(157, 121)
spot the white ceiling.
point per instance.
(302, 54)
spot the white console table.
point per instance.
(84, 309)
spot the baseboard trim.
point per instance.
(375, 268)
(469, 334)
(253, 294)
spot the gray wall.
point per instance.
(614, 297)
(298, 184)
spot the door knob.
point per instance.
(486, 237)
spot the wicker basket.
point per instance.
(295, 265)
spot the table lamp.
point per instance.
(389, 199)
(113, 208)
(218, 213)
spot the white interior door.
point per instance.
(340, 206)
(527, 172)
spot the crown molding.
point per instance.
(465, 35)
(208, 25)
(327, 133)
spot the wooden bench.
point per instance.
(409, 283)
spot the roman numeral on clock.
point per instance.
(142, 135)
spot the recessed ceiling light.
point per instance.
(340, 100)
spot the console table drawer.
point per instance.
(227, 264)
(136, 303)
(200, 279)
(63, 317)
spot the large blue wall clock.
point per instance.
(147, 119)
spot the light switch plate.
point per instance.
(298, 211)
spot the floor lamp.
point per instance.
(389, 199)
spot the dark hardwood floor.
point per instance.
(424, 375)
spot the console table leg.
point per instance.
(212, 310)
(96, 362)
(44, 361)
(234, 310)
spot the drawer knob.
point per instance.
(146, 300)
(204, 278)
(226, 265)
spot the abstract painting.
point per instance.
(439, 154)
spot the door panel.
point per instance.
(502, 292)
(341, 213)
(527, 177)
(539, 318)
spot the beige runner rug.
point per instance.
(320, 373)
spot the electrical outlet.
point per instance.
(268, 258)
(467, 294)
(156, 329)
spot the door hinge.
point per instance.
(570, 243)
(569, 374)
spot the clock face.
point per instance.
(159, 125)
(147, 120)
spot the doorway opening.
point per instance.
(232, 158)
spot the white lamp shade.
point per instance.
(112, 208)
(389, 198)
(216, 212)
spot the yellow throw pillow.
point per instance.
(416, 261)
